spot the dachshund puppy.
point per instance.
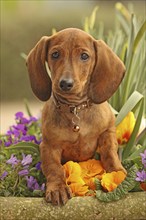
(76, 121)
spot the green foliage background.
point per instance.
(24, 22)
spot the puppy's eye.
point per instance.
(55, 55)
(84, 56)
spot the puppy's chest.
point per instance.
(88, 125)
(77, 145)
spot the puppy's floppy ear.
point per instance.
(107, 74)
(39, 78)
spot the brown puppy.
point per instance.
(77, 121)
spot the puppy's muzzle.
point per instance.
(66, 84)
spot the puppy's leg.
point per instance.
(107, 148)
(57, 191)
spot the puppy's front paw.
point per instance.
(116, 167)
(59, 195)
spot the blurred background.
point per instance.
(23, 23)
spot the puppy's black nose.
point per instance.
(66, 84)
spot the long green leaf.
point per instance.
(123, 10)
(25, 146)
(86, 25)
(27, 108)
(129, 105)
(129, 59)
(130, 144)
(92, 18)
(133, 44)
(139, 36)
(136, 153)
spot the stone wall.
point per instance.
(133, 206)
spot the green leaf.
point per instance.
(123, 10)
(97, 184)
(127, 150)
(127, 185)
(27, 108)
(129, 59)
(132, 46)
(86, 25)
(139, 36)
(128, 106)
(136, 153)
(25, 146)
(38, 193)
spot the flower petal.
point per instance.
(91, 168)
(110, 181)
(78, 189)
(125, 128)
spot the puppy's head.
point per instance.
(79, 65)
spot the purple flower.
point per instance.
(18, 115)
(20, 118)
(43, 187)
(38, 166)
(21, 128)
(8, 143)
(32, 183)
(23, 172)
(32, 119)
(20, 131)
(26, 159)
(38, 141)
(9, 132)
(143, 157)
(141, 176)
(2, 177)
(16, 133)
(36, 186)
(13, 160)
(28, 138)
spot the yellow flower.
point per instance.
(125, 128)
(78, 189)
(110, 181)
(74, 179)
(72, 168)
(73, 173)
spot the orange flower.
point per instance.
(91, 168)
(80, 177)
(125, 128)
(91, 183)
(110, 181)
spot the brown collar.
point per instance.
(74, 109)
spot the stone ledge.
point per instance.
(133, 206)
